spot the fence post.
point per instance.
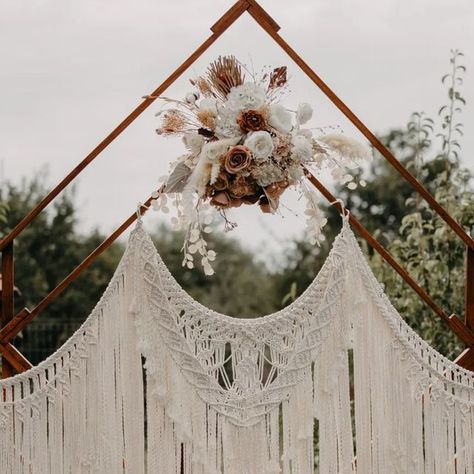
(7, 299)
(469, 290)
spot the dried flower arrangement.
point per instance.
(244, 147)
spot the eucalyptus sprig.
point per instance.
(451, 128)
(420, 128)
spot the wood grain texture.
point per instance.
(15, 358)
(466, 359)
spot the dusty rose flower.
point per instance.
(282, 145)
(251, 199)
(223, 200)
(241, 187)
(270, 202)
(237, 159)
(275, 190)
(251, 121)
(222, 182)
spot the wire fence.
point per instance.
(40, 339)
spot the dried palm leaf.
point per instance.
(224, 74)
(278, 78)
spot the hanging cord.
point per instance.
(140, 211)
(345, 213)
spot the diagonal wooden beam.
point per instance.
(25, 316)
(229, 17)
(15, 358)
(469, 289)
(261, 17)
(454, 323)
(466, 359)
(7, 302)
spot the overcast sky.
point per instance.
(71, 70)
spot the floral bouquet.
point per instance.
(244, 148)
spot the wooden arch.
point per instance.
(12, 324)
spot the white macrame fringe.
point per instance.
(336, 383)
(80, 410)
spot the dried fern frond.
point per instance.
(224, 74)
(278, 78)
(174, 121)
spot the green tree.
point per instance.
(45, 253)
(51, 247)
(416, 236)
(241, 286)
(430, 251)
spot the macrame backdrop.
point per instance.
(153, 382)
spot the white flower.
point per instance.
(301, 149)
(280, 118)
(246, 96)
(304, 113)
(260, 143)
(208, 270)
(211, 255)
(208, 104)
(193, 142)
(295, 172)
(226, 124)
(267, 173)
(346, 147)
(305, 132)
(209, 156)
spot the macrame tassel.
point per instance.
(80, 411)
(413, 407)
(332, 408)
(225, 396)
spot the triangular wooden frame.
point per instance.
(11, 324)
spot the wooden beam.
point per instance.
(263, 21)
(232, 14)
(223, 23)
(466, 359)
(464, 334)
(8, 299)
(469, 290)
(25, 316)
(15, 358)
(256, 10)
